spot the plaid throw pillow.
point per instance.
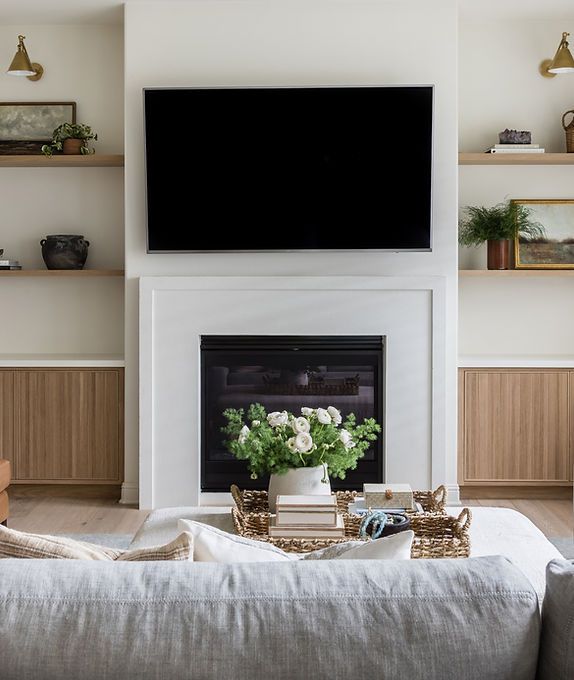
(21, 545)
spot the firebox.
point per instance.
(287, 373)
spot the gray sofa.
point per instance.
(475, 619)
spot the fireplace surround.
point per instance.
(284, 372)
(177, 311)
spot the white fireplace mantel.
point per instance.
(176, 311)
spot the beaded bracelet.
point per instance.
(376, 518)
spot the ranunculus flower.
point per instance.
(335, 415)
(291, 445)
(323, 416)
(300, 425)
(243, 434)
(278, 418)
(345, 437)
(307, 411)
(303, 442)
(255, 423)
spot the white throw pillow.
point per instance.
(213, 545)
(394, 547)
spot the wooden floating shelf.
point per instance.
(85, 273)
(515, 273)
(516, 158)
(92, 161)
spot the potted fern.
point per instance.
(299, 452)
(70, 138)
(497, 226)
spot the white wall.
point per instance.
(500, 87)
(82, 64)
(320, 42)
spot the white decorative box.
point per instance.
(388, 496)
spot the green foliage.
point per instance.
(503, 221)
(70, 131)
(276, 442)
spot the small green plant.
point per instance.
(503, 221)
(276, 442)
(70, 131)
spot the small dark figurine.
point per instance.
(515, 137)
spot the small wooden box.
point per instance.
(388, 496)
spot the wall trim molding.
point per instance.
(130, 494)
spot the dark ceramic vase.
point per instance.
(64, 251)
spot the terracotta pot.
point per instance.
(299, 481)
(72, 146)
(498, 254)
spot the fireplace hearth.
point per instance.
(287, 373)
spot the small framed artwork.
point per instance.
(555, 250)
(26, 126)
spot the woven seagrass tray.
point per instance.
(437, 535)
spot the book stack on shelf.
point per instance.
(7, 265)
(516, 148)
(306, 517)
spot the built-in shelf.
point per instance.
(516, 158)
(61, 361)
(77, 161)
(516, 273)
(82, 273)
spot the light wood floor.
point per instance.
(62, 511)
(51, 510)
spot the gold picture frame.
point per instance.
(556, 249)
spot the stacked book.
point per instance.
(307, 517)
(516, 148)
(9, 264)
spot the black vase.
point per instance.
(64, 251)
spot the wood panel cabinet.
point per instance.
(515, 427)
(63, 425)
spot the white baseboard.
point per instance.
(453, 494)
(130, 494)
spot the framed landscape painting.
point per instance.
(26, 126)
(555, 250)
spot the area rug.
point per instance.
(564, 545)
(118, 541)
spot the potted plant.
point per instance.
(497, 226)
(70, 138)
(299, 452)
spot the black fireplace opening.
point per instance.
(288, 373)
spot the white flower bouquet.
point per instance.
(273, 443)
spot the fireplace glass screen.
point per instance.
(287, 373)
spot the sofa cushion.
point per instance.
(556, 660)
(475, 619)
(22, 545)
(213, 545)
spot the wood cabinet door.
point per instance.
(516, 426)
(7, 442)
(69, 425)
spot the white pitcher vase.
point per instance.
(299, 481)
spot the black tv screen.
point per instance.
(290, 168)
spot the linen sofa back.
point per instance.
(557, 642)
(476, 619)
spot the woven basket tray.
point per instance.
(437, 535)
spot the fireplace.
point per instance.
(287, 373)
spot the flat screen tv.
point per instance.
(288, 168)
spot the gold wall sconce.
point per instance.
(563, 61)
(21, 64)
